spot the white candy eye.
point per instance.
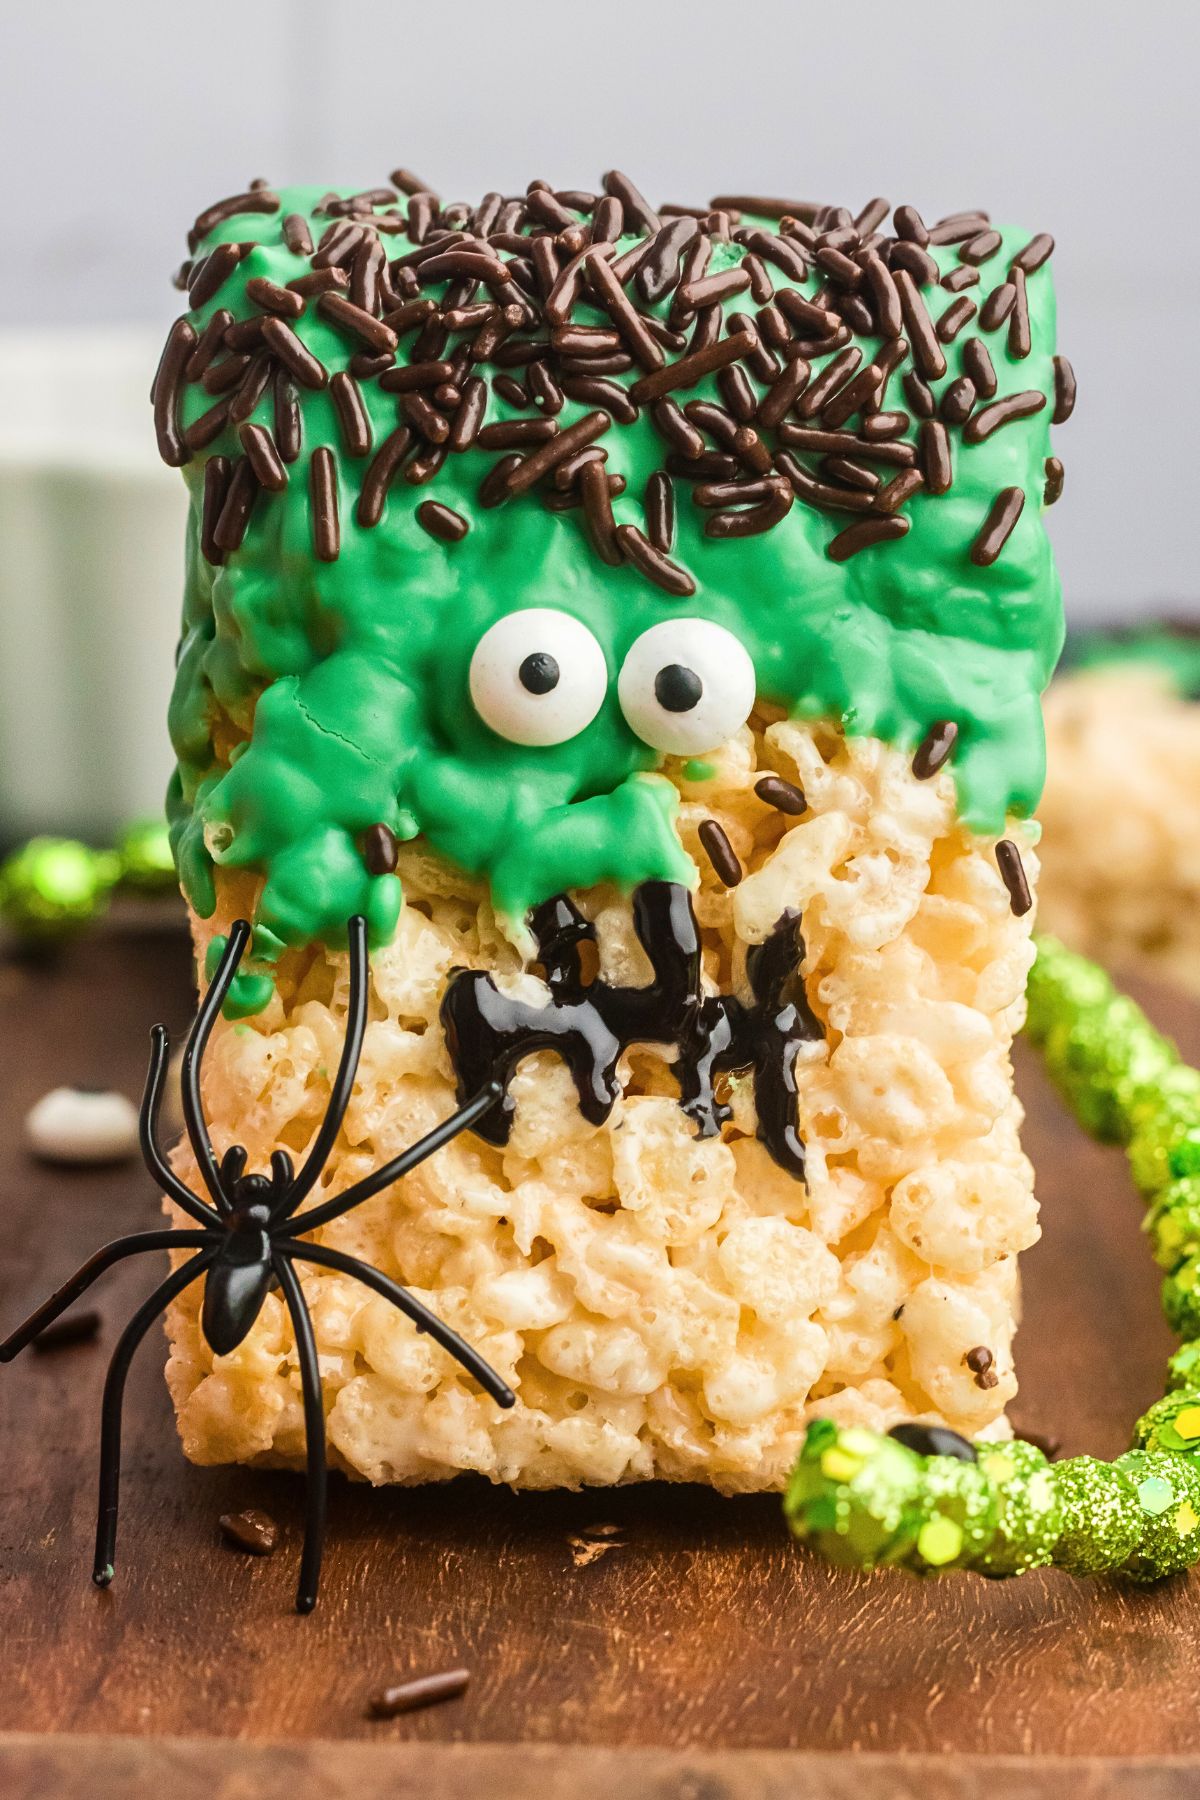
(538, 676)
(686, 685)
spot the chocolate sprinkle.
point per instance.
(720, 853)
(934, 749)
(486, 300)
(419, 1691)
(1012, 873)
(997, 527)
(1054, 481)
(774, 791)
(380, 850)
(253, 1531)
(442, 521)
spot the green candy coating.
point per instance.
(1102, 1518)
(1029, 1517)
(1168, 1491)
(51, 887)
(351, 676)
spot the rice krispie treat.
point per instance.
(1121, 810)
(639, 619)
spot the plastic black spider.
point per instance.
(245, 1245)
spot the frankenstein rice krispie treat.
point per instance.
(638, 617)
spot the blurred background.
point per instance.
(118, 122)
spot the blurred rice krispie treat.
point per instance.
(1121, 808)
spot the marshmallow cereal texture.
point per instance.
(1121, 815)
(664, 1305)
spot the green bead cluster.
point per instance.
(52, 887)
(866, 1501)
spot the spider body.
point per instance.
(248, 1239)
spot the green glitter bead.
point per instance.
(1181, 1298)
(1168, 1491)
(1162, 1126)
(1183, 1159)
(54, 886)
(1102, 1517)
(143, 851)
(855, 1496)
(1173, 1223)
(1029, 1516)
(1183, 1370)
(958, 1516)
(1172, 1423)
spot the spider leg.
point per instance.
(193, 1056)
(343, 1084)
(155, 1161)
(400, 1165)
(416, 1310)
(91, 1270)
(314, 1434)
(114, 1394)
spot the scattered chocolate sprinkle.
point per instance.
(380, 849)
(408, 183)
(783, 795)
(594, 390)
(690, 369)
(251, 388)
(287, 302)
(1002, 412)
(779, 497)
(253, 1531)
(419, 1691)
(862, 536)
(927, 352)
(900, 488)
(1064, 391)
(540, 461)
(216, 480)
(933, 449)
(442, 521)
(352, 416)
(997, 306)
(373, 332)
(854, 474)
(259, 200)
(288, 429)
(957, 226)
(240, 495)
(978, 249)
(264, 458)
(74, 1328)
(934, 748)
(910, 226)
(296, 235)
(207, 345)
(828, 382)
(836, 443)
(919, 395)
(598, 513)
(956, 315)
(1035, 253)
(859, 394)
(221, 377)
(173, 446)
(244, 334)
(295, 356)
(915, 262)
(380, 474)
(764, 206)
(660, 511)
(1012, 873)
(958, 401)
(1005, 510)
(980, 1361)
(977, 363)
(409, 377)
(322, 476)
(720, 853)
(1054, 481)
(1020, 340)
(881, 427)
(639, 214)
(425, 418)
(653, 563)
(960, 278)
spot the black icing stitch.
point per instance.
(590, 1024)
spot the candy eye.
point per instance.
(686, 685)
(538, 676)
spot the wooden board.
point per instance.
(702, 1630)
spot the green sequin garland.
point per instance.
(863, 1500)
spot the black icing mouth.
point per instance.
(589, 1024)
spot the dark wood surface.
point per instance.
(702, 1629)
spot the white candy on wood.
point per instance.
(77, 1125)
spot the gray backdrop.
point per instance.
(118, 120)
